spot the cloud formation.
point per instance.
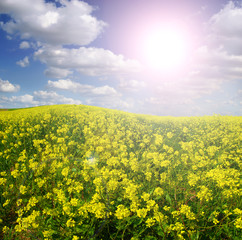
(54, 28)
(69, 85)
(55, 72)
(45, 22)
(104, 96)
(226, 28)
(51, 97)
(39, 98)
(26, 99)
(223, 52)
(219, 59)
(131, 85)
(24, 62)
(100, 96)
(24, 45)
(6, 86)
(89, 61)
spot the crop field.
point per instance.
(81, 172)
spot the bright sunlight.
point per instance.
(165, 49)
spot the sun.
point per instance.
(165, 48)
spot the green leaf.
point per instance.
(168, 198)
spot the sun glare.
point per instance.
(165, 49)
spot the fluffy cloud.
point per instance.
(54, 72)
(131, 85)
(72, 23)
(104, 96)
(24, 62)
(222, 56)
(67, 84)
(226, 28)
(54, 27)
(24, 45)
(6, 86)
(212, 67)
(26, 99)
(50, 98)
(182, 93)
(219, 60)
(104, 90)
(38, 98)
(89, 61)
(111, 102)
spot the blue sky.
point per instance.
(107, 53)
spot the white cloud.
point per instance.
(112, 102)
(104, 96)
(226, 28)
(67, 84)
(24, 45)
(49, 19)
(131, 85)
(26, 99)
(24, 62)
(157, 105)
(220, 58)
(72, 23)
(6, 86)
(213, 66)
(89, 61)
(50, 98)
(181, 94)
(38, 98)
(55, 72)
(104, 90)
(54, 27)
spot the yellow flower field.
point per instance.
(82, 172)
